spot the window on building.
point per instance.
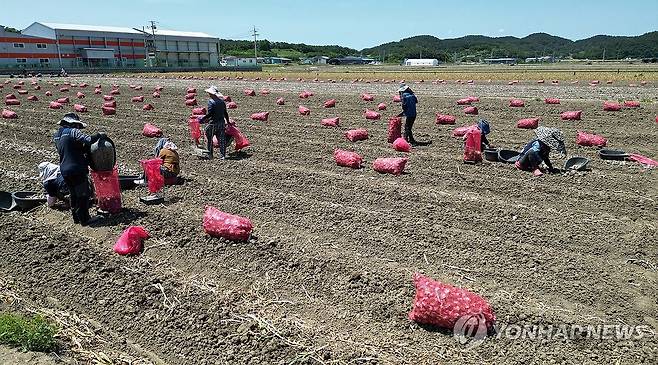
(44, 60)
(42, 45)
(19, 45)
(21, 60)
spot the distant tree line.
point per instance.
(282, 49)
(535, 45)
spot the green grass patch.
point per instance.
(28, 334)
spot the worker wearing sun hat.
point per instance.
(218, 117)
(72, 146)
(539, 149)
(409, 101)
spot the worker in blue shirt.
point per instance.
(218, 116)
(72, 147)
(539, 149)
(409, 101)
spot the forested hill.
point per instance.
(535, 45)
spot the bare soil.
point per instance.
(326, 278)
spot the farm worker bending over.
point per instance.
(72, 146)
(53, 183)
(409, 102)
(485, 129)
(538, 150)
(218, 116)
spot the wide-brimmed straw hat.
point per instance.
(213, 90)
(403, 88)
(552, 137)
(73, 120)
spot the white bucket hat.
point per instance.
(73, 120)
(213, 90)
(403, 88)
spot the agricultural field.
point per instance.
(326, 277)
(620, 73)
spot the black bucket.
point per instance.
(7, 202)
(610, 154)
(26, 200)
(491, 154)
(127, 182)
(508, 156)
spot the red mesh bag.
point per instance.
(528, 123)
(355, 135)
(381, 106)
(348, 159)
(401, 145)
(473, 99)
(552, 101)
(22, 92)
(390, 165)
(473, 145)
(516, 103)
(190, 90)
(304, 95)
(108, 97)
(367, 97)
(394, 129)
(199, 111)
(471, 110)
(610, 106)
(108, 191)
(190, 96)
(644, 160)
(446, 119)
(371, 115)
(304, 110)
(249, 92)
(12, 102)
(195, 128)
(151, 131)
(231, 105)
(148, 107)
(465, 101)
(131, 241)
(64, 89)
(55, 105)
(240, 140)
(137, 99)
(231, 227)
(80, 95)
(32, 98)
(153, 175)
(10, 96)
(397, 99)
(191, 102)
(461, 131)
(330, 122)
(632, 104)
(589, 140)
(156, 94)
(49, 93)
(8, 114)
(262, 116)
(264, 92)
(79, 108)
(573, 115)
(442, 305)
(330, 103)
(227, 99)
(63, 100)
(115, 92)
(108, 111)
(280, 101)
(110, 104)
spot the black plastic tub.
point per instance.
(127, 182)
(6, 201)
(610, 154)
(508, 156)
(491, 154)
(26, 200)
(576, 163)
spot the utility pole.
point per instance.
(153, 47)
(604, 55)
(255, 34)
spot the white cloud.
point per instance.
(501, 30)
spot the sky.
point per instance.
(353, 23)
